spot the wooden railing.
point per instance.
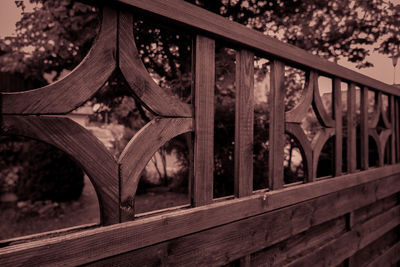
(248, 216)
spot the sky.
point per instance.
(382, 70)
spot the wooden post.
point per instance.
(337, 111)
(351, 129)
(364, 128)
(276, 125)
(244, 120)
(204, 121)
(393, 126)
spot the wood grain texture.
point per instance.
(323, 117)
(277, 125)
(363, 188)
(298, 113)
(138, 153)
(364, 128)
(82, 83)
(351, 129)
(337, 112)
(390, 257)
(392, 128)
(196, 18)
(244, 121)
(297, 132)
(336, 251)
(138, 78)
(224, 244)
(204, 121)
(397, 128)
(296, 246)
(82, 146)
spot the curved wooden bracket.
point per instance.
(386, 121)
(297, 132)
(298, 113)
(317, 145)
(373, 122)
(81, 145)
(135, 73)
(70, 92)
(139, 151)
(322, 115)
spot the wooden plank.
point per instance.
(82, 146)
(338, 250)
(351, 129)
(226, 243)
(196, 18)
(372, 252)
(364, 128)
(277, 125)
(390, 258)
(337, 111)
(70, 92)
(138, 78)
(88, 246)
(244, 121)
(393, 127)
(299, 245)
(138, 153)
(397, 137)
(204, 121)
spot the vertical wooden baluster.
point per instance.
(364, 128)
(244, 120)
(245, 261)
(204, 121)
(397, 128)
(393, 126)
(337, 111)
(351, 129)
(277, 125)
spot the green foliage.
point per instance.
(36, 171)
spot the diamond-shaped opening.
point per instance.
(294, 169)
(295, 80)
(224, 120)
(164, 182)
(326, 160)
(381, 125)
(46, 54)
(325, 92)
(166, 54)
(310, 124)
(261, 123)
(42, 189)
(114, 115)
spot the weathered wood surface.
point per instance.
(89, 246)
(244, 121)
(351, 129)
(337, 112)
(82, 146)
(138, 153)
(138, 78)
(364, 128)
(196, 18)
(70, 92)
(277, 125)
(204, 121)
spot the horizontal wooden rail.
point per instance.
(199, 19)
(89, 245)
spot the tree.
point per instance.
(48, 41)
